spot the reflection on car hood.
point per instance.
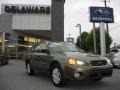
(78, 55)
(91, 55)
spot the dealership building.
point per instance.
(22, 25)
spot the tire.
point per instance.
(97, 79)
(29, 69)
(7, 61)
(117, 67)
(0, 62)
(57, 76)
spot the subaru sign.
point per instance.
(101, 14)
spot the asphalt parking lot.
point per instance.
(13, 77)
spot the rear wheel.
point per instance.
(57, 76)
(97, 79)
(7, 61)
(29, 69)
(0, 62)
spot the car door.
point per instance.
(34, 57)
(44, 57)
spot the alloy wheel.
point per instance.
(56, 75)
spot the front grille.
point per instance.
(98, 63)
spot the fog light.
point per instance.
(77, 75)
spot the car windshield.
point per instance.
(63, 47)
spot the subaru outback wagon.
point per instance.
(64, 61)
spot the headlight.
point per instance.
(108, 61)
(80, 62)
(72, 61)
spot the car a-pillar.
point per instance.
(57, 20)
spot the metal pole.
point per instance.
(107, 26)
(114, 45)
(69, 35)
(105, 3)
(94, 38)
(102, 39)
(80, 31)
(79, 25)
(3, 42)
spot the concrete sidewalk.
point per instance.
(16, 61)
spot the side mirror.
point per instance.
(45, 51)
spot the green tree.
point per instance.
(78, 42)
(83, 45)
(90, 40)
(87, 41)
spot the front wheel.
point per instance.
(29, 69)
(57, 76)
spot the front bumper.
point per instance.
(87, 72)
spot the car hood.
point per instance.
(84, 56)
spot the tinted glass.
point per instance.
(63, 47)
(39, 47)
(43, 46)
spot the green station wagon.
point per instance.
(64, 61)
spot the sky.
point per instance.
(76, 12)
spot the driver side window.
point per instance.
(40, 47)
(37, 49)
